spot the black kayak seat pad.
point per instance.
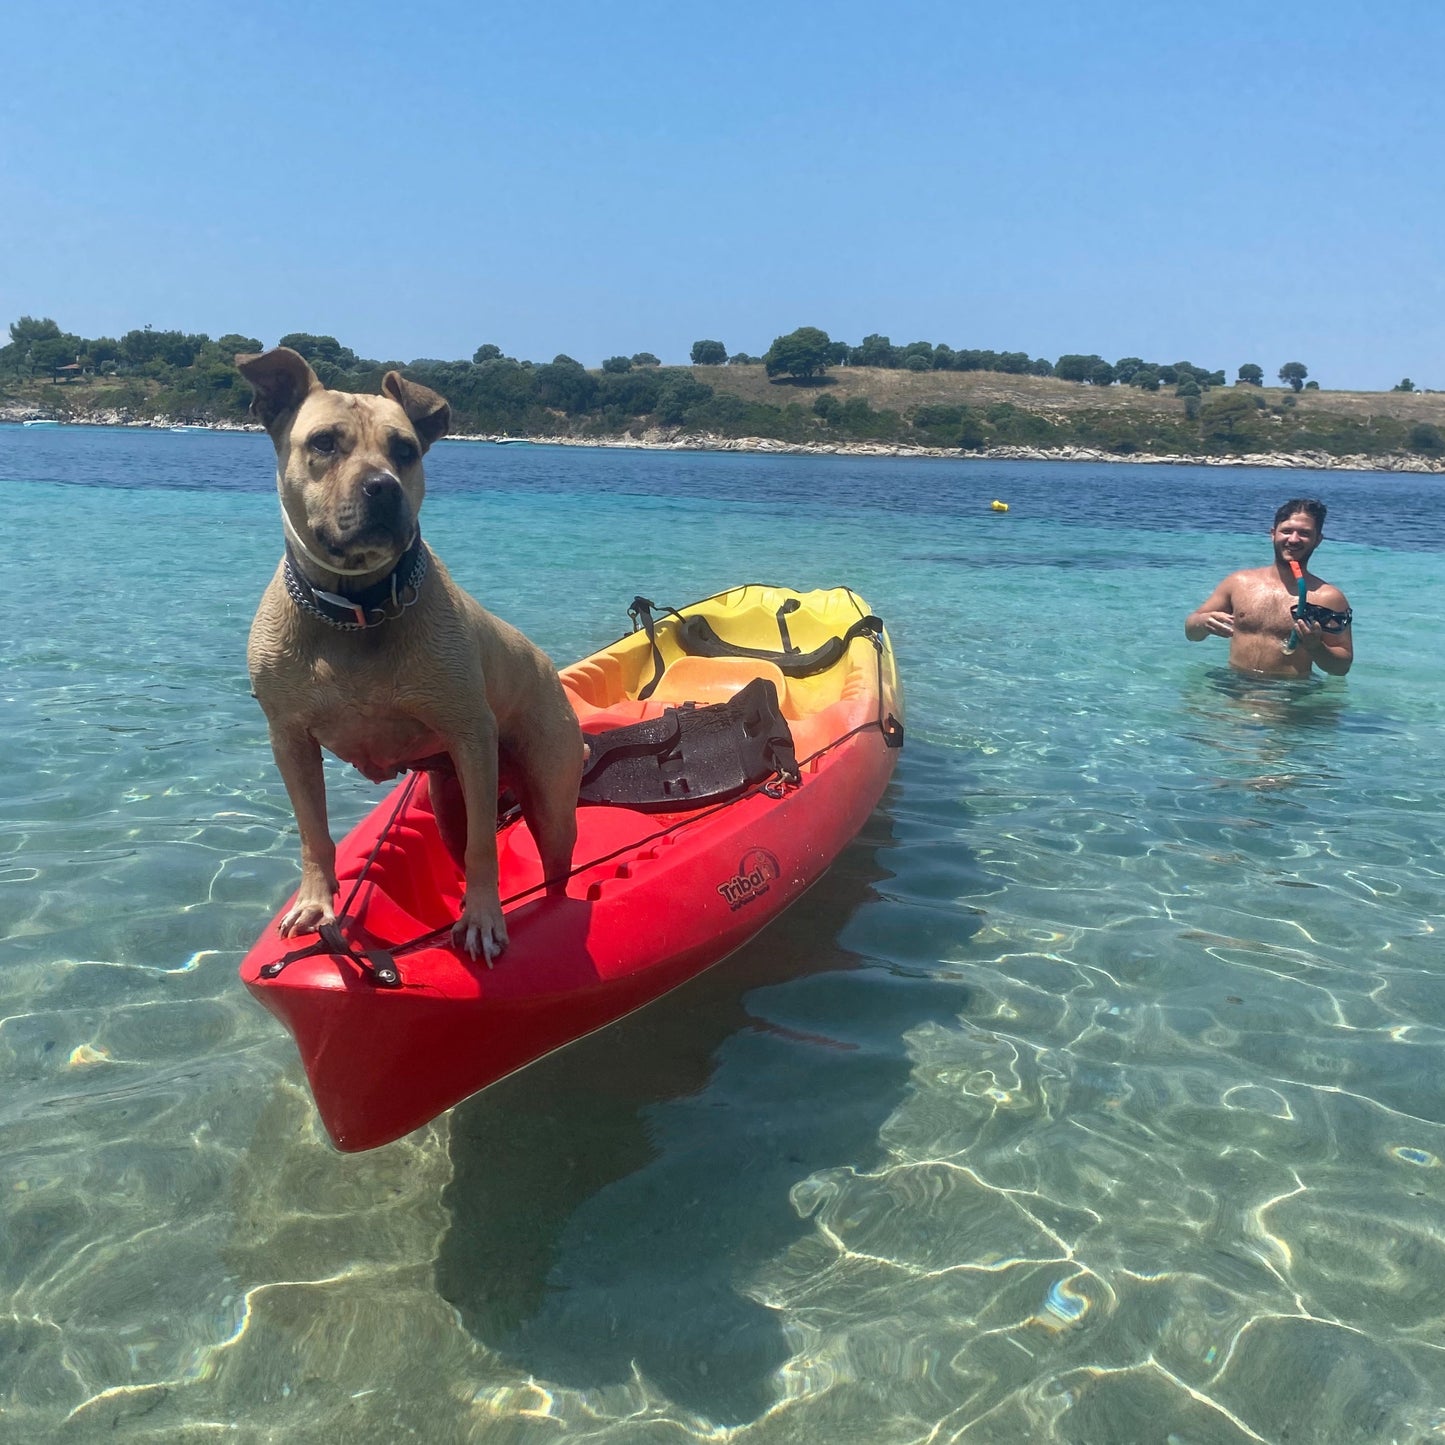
(691, 755)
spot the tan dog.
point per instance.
(363, 645)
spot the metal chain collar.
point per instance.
(305, 597)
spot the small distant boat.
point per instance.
(40, 421)
(511, 441)
(190, 428)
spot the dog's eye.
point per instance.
(403, 452)
(323, 443)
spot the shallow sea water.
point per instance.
(1097, 1093)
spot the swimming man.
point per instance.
(1252, 608)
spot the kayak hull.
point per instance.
(654, 898)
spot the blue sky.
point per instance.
(1251, 183)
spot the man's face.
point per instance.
(1295, 538)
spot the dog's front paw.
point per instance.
(306, 915)
(481, 930)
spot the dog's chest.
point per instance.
(378, 741)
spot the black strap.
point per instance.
(696, 636)
(641, 614)
(376, 963)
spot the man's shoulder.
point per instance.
(1250, 577)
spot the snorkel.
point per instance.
(1292, 641)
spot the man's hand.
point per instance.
(1332, 654)
(1209, 624)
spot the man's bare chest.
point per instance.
(1263, 607)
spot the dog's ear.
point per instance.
(282, 380)
(425, 410)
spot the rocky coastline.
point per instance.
(658, 439)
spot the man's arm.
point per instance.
(1214, 617)
(1331, 652)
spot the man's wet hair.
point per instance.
(1309, 506)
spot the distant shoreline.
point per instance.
(688, 442)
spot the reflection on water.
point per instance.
(1275, 728)
(675, 1136)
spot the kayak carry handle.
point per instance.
(791, 605)
(376, 963)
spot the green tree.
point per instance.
(802, 353)
(566, 384)
(709, 353)
(55, 351)
(25, 335)
(1293, 374)
(616, 365)
(874, 350)
(486, 352)
(102, 353)
(1125, 368)
(741, 358)
(30, 329)
(1229, 418)
(1426, 438)
(1312, 386)
(645, 358)
(680, 392)
(1251, 375)
(971, 432)
(1101, 374)
(1146, 379)
(1074, 367)
(233, 344)
(320, 348)
(1405, 385)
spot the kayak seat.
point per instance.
(691, 754)
(706, 680)
(596, 680)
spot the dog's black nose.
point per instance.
(384, 502)
(380, 484)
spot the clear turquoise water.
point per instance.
(1098, 1093)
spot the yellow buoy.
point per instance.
(998, 506)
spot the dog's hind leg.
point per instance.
(450, 808)
(548, 795)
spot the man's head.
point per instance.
(1299, 527)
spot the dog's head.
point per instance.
(348, 467)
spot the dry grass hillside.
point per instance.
(902, 391)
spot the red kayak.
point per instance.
(737, 746)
